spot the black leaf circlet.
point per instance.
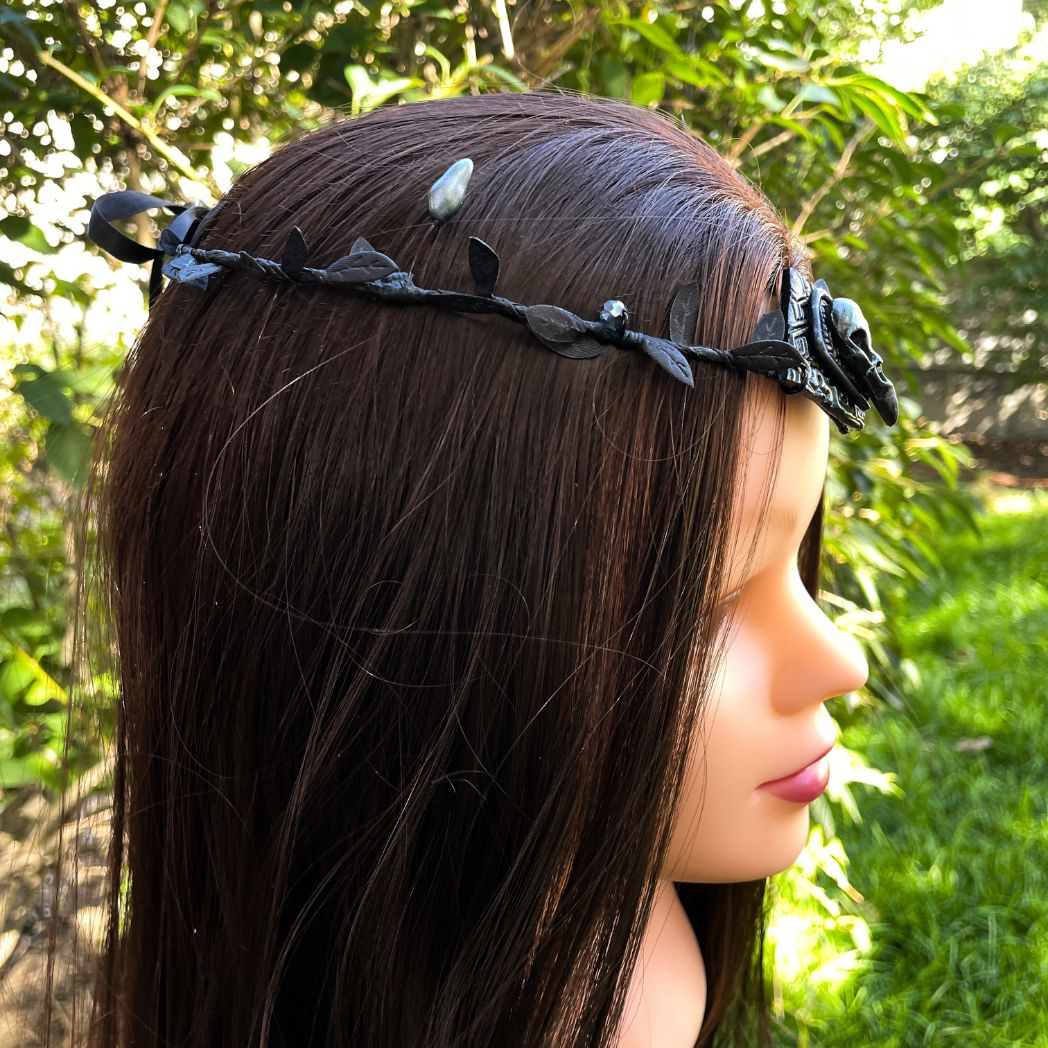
(814, 344)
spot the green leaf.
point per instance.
(615, 74)
(177, 17)
(818, 93)
(802, 130)
(15, 675)
(498, 73)
(653, 33)
(12, 618)
(827, 129)
(46, 395)
(368, 94)
(93, 380)
(881, 115)
(648, 89)
(442, 61)
(8, 277)
(781, 62)
(15, 227)
(38, 694)
(67, 449)
(906, 101)
(771, 101)
(184, 90)
(16, 772)
(692, 70)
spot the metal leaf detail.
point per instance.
(579, 350)
(553, 324)
(770, 328)
(484, 265)
(364, 263)
(767, 357)
(296, 253)
(684, 312)
(668, 357)
(184, 269)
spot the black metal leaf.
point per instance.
(296, 253)
(484, 265)
(364, 263)
(766, 357)
(668, 357)
(684, 312)
(581, 349)
(770, 328)
(553, 324)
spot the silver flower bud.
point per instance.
(448, 192)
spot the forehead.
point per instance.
(797, 486)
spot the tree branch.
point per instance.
(839, 170)
(549, 57)
(173, 156)
(190, 52)
(91, 43)
(742, 142)
(504, 28)
(773, 143)
(154, 32)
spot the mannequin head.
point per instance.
(419, 626)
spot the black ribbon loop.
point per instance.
(186, 228)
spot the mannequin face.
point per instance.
(765, 717)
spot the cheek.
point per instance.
(726, 830)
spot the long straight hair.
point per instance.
(412, 618)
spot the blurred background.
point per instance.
(906, 141)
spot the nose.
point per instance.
(819, 660)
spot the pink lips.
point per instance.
(802, 786)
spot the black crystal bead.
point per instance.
(615, 316)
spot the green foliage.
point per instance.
(47, 429)
(944, 936)
(992, 139)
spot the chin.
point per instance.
(763, 851)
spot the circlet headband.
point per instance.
(813, 343)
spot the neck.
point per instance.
(667, 995)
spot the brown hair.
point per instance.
(414, 616)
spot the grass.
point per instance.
(951, 876)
